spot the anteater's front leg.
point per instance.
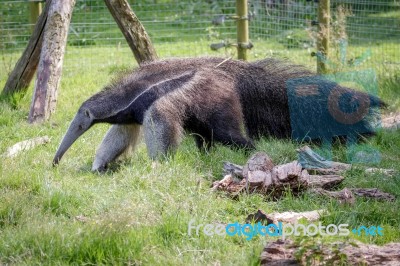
(120, 139)
(162, 133)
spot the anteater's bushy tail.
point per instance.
(286, 100)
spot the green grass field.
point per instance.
(138, 213)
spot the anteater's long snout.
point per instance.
(79, 125)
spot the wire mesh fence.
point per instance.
(363, 33)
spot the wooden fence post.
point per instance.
(133, 30)
(242, 29)
(35, 8)
(22, 74)
(51, 59)
(324, 18)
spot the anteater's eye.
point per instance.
(80, 127)
(87, 113)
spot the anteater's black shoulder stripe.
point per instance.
(138, 106)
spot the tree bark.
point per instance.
(22, 74)
(261, 175)
(133, 30)
(51, 59)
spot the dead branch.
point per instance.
(25, 145)
(233, 169)
(260, 175)
(287, 217)
(294, 217)
(344, 196)
(324, 181)
(258, 162)
(314, 162)
(373, 193)
(283, 252)
(391, 122)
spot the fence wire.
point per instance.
(363, 33)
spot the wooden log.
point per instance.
(286, 172)
(323, 181)
(51, 59)
(373, 193)
(295, 217)
(24, 70)
(279, 253)
(261, 176)
(229, 184)
(386, 172)
(344, 196)
(133, 30)
(25, 145)
(233, 169)
(391, 121)
(285, 217)
(260, 161)
(313, 162)
(286, 252)
(271, 182)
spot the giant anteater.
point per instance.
(219, 100)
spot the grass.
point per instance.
(139, 213)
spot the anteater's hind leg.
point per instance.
(118, 140)
(235, 140)
(228, 129)
(162, 134)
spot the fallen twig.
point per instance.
(344, 196)
(287, 217)
(391, 122)
(286, 252)
(25, 145)
(312, 161)
(373, 193)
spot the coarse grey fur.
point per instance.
(219, 100)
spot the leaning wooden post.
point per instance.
(242, 29)
(133, 30)
(22, 74)
(51, 59)
(323, 38)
